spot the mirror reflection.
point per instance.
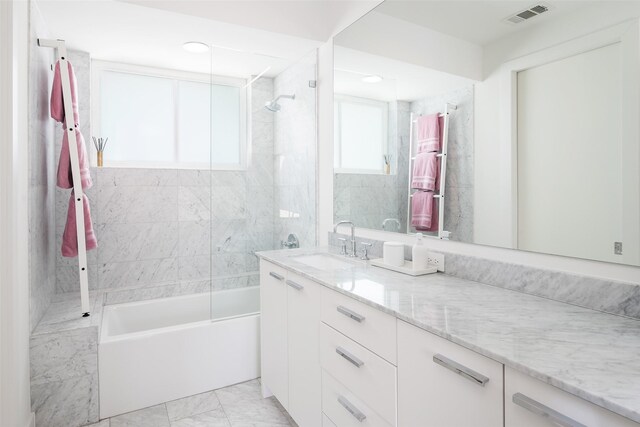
(499, 123)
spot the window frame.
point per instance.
(98, 67)
(338, 100)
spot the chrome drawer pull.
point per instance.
(351, 314)
(276, 275)
(358, 415)
(459, 369)
(544, 411)
(350, 357)
(294, 285)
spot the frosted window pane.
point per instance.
(225, 116)
(137, 115)
(194, 122)
(361, 136)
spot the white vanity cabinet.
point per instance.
(303, 312)
(443, 384)
(273, 331)
(290, 320)
(532, 403)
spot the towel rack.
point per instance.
(442, 234)
(61, 53)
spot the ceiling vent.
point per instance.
(528, 13)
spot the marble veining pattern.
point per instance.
(554, 342)
(239, 405)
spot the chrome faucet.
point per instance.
(353, 235)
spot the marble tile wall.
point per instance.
(458, 207)
(42, 169)
(619, 298)
(295, 154)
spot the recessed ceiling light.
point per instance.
(195, 47)
(372, 79)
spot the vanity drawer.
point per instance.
(344, 409)
(368, 326)
(533, 403)
(366, 374)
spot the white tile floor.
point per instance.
(240, 405)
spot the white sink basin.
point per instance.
(323, 262)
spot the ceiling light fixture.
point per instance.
(372, 79)
(195, 47)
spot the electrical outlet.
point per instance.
(435, 259)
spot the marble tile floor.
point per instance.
(239, 405)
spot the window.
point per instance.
(169, 119)
(360, 134)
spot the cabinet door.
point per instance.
(443, 384)
(273, 337)
(532, 403)
(303, 312)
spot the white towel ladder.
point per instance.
(61, 53)
(442, 234)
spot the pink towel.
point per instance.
(65, 179)
(424, 215)
(425, 171)
(70, 235)
(428, 133)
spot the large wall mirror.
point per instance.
(503, 123)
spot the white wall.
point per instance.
(486, 130)
(15, 401)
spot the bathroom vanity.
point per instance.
(347, 344)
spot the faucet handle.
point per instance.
(365, 251)
(343, 248)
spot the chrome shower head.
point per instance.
(273, 104)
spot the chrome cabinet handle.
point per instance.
(276, 275)
(357, 414)
(350, 357)
(459, 369)
(351, 314)
(544, 411)
(294, 285)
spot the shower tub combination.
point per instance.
(155, 351)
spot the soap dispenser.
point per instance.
(419, 254)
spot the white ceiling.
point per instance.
(402, 81)
(479, 22)
(123, 32)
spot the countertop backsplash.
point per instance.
(609, 296)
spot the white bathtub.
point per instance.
(160, 350)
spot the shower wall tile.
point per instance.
(67, 276)
(138, 241)
(194, 203)
(194, 238)
(294, 161)
(137, 273)
(137, 177)
(131, 204)
(194, 267)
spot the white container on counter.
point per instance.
(393, 253)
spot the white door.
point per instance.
(273, 337)
(570, 144)
(303, 312)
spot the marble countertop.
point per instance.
(590, 354)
